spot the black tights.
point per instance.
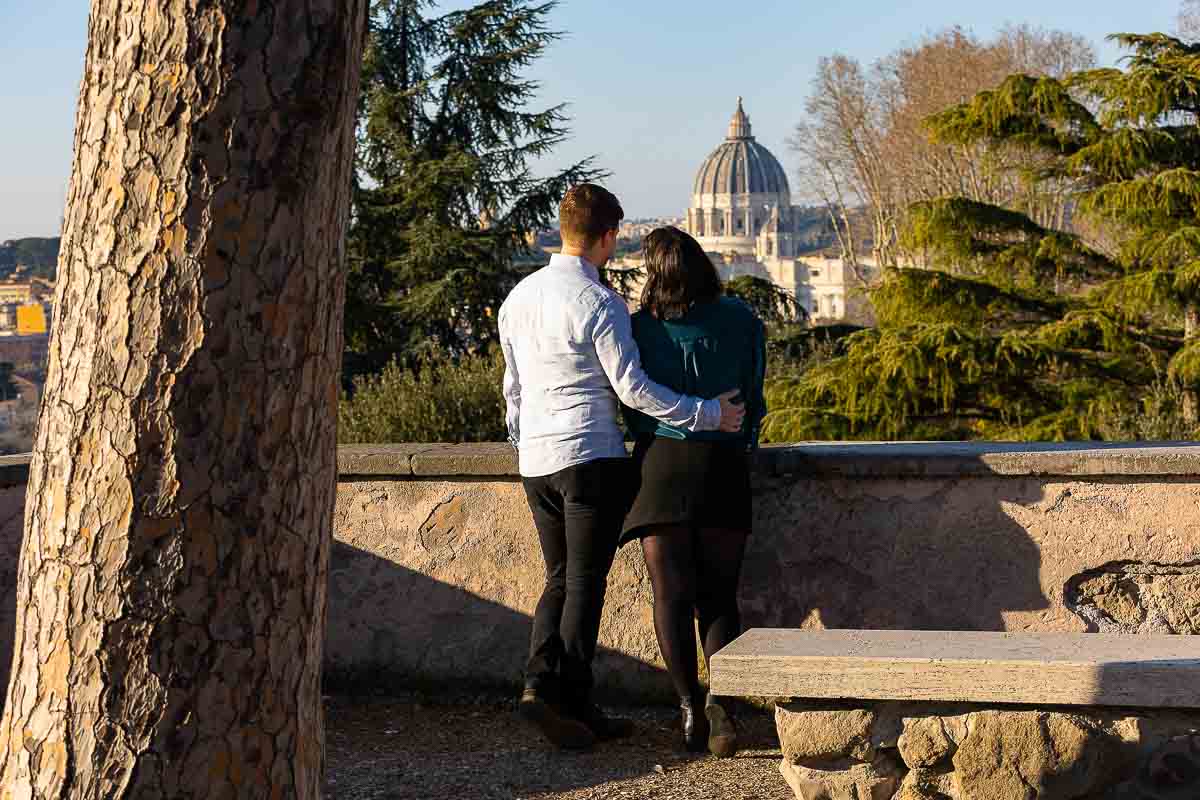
(693, 572)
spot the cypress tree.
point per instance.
(447, 202)
(1012, 330)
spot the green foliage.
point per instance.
(440, 399)
(1000, 245)
(790, 357)
(793, 348)
(945, 380)
(910, 296)
(447, 202)
(1185, 366)
(1159, 416)
(1013, 330)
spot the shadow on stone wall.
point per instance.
(8, 622)
(891, 555)
(12, 515)
(391, 626)
(847, 554)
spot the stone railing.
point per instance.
(436, 568)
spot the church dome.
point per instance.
(740, 165)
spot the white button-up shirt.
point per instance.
(569, 360)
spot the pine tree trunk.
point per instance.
(1191, 397)
(171, 591)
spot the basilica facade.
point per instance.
(742, 214)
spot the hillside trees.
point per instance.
(1018, 327)
(39, 256)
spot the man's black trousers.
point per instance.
(578, 513)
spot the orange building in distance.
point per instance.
(31, 320)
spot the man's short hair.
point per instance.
(587, 213)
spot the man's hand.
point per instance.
(732, 414)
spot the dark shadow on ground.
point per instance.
(414, 747)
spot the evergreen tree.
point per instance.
(447, 203)
(1017, 331)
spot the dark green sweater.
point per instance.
(718, 346)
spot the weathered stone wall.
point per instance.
(436, 568)
(437, 580)
(1138, 597)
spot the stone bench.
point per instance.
(903, 715)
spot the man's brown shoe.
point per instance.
(562, 731)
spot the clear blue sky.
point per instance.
(652, 83)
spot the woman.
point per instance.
(693, 509)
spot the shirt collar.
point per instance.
(575, 263)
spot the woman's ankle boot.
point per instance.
(695, 726)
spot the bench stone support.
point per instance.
(929, 751)
(976, 716)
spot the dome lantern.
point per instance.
(739, 126)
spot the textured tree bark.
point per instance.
(171, 592)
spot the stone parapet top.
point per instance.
(854, 460)
(824, 459)
(427, 460)
(979, 459)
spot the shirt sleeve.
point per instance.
(512, 394)
(612, 335)
(756, 403)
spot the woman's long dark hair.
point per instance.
(679, 274)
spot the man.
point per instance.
(570, 357)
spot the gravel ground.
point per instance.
(477, 749)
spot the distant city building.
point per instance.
(742, 214)
(636, 229)
(42, 287)
(16, 293)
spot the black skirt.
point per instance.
(691, 484)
